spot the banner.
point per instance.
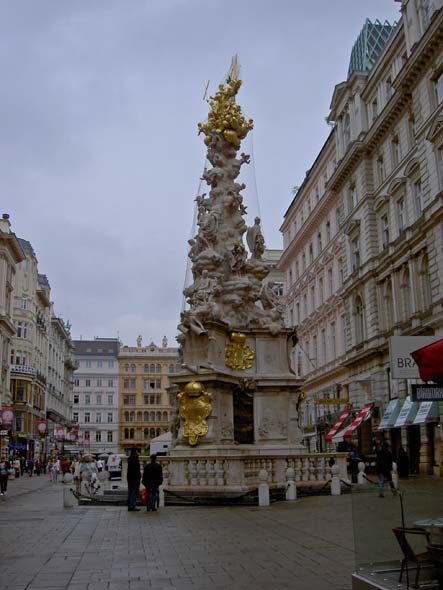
(59, 432)
(42, 427)
(73, 437)
(7, 416)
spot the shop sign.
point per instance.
(426, 393)
(4, 432)
(59, 432)
(403, 365)
(73, 437)
(336, 401)
(23, 369)
(7, 416)
(42, 427)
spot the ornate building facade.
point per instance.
(381, 270)
(95, 395)
(145, 410)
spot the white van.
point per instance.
(114, 466)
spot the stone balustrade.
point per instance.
(242, 472)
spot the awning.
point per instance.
(391, 414)
(407, 413)
(363, 415)
(427, 412)
(337, 426)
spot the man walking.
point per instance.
(133, 477)
(152, 479)
(5, 468)
(384, 469)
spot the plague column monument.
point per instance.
(237, 399)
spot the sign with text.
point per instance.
(331, 401)
(7, 416)
(403, 365)
(427, 393)
(42, 427)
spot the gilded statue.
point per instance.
(195, 407)
(238, 353)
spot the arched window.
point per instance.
(425, 284)
(145, 416)
(146, 368)
(132, 368)
(131, 433)
(157, 432)
(158, 368)
(139, 416)
(146, 433)
(132, 417)
(389, 305)
(159, 416)
(152, 433)
(126, 368)
(171, 368)
(405, 295)
(152, 416)
(126, 433)
(178, 368)
(165, 416)
(126, 416)
(359, 313)
(152, 368)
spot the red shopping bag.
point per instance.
(143, 496)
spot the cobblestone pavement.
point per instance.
(304, 545)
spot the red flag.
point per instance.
(430, 361)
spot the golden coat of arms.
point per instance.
(238, 353)
(195, 407)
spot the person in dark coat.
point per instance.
(152, 480)
(384, 469)
(402, 463)
(133, 477)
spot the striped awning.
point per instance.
(363, 415)
(337, 426)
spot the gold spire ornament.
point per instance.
(225, 116)
(195, 407)
(238, 354)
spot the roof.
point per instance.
(101, 347)
(369, 44)
(27, 247)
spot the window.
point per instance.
(401, 215)
(355, 254)
(76, 382)
(319, 242)
(132, 368)
(24, 303)
(76, 398)
(425, 286)
(158, 383)
(110, 399)
(126, 368)
(428, 9)
(374, 109)
(330, 281)
(131, 416)
(389, 306)
(158, 368)
(380, 169)
(125, 383)
(346, 130)
(146, 368)
(359, 320)
(311, 253)
(171, 368)
(305, 306)
(388, 88)
(297, 270)
(111, 366)
(418, 196)
(98, 437)
(438, 88)
(98, 417)
(352, 197)
(312, 299)
(110, 382)
(297, 312)
(87, 417)
(321, 290)
(384, 222)
(88, 364)
(411, 130)
(395, 150)
(87, 383)
(87, 399)
(129, 400)
(152, 368)
(328, 231)
(314, 351)
(99, 382)
(75, 417)
(290, 276)
(87, 435)
(333, 341)
(110, 417)
(323, 345)
(99, 364)
(99, 399)
(109, 436)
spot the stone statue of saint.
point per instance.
(139, 342)
(255, 240)
(164, 342)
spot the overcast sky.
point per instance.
(99, 155)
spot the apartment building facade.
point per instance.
(381, 273)
(144, 405)
(95, 395)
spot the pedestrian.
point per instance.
(38, 466)
(384, 469)
(133, 477)
(30, 467)
(152, 479)
(55, 470)
(22, 465)
(402, 463)
(5, 470)
(77, 476)
(353, 464)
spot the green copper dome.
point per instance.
(370, 43)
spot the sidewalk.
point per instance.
(305, 545)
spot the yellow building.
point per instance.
(144, 406)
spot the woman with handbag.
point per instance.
(5, 470)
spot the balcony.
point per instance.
(23, 370)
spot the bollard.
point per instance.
(394, 475)
(263, 488)
(161, 497)
(291, 488)
(335, 481)
(69, 499)
(361, 479)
